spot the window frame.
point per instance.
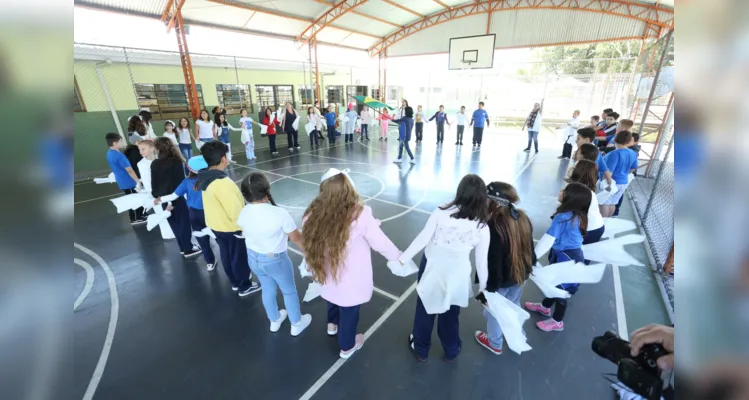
(78, 96)
(163, 105)
(235, 107)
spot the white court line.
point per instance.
(89, 282)
(372, 329)
(386, 294)
(339, 363)
(97, 198)
(113, 316)
(621, 318)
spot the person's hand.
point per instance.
(156, 201)
(169, 207)
(660, 334)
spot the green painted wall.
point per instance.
(91, 125)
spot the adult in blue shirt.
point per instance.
(478, 121)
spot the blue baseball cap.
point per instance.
(196, 163)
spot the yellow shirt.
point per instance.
(222, 203)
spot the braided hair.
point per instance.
(255, 187)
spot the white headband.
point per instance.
(333, 172)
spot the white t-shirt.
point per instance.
(205, 129)
(571, 130)
(171, 137)
(245, 123)
(144, 166)
(266, 228)
(595, 219)
(184, 136)
(461, 118)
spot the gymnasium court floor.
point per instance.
(151, 325)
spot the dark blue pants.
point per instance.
(331, 134)
(272, 143)
(448, 327)
(409, 126)
(179, 221)
(593, 236)
(197, 222)
(347, 319)
(365, 131)
(571, 288)
(478, 135)
(440, 132)
(234, 257)
(313, 138)
(419, 131)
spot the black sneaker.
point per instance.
(457, 143)
(528, 150)
(254, 287)
(461, 143)
(194, 252)
(561, 157)
(139, 221)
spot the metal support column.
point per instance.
(184, 57)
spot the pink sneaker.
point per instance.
(550, 325)
(537, 307)
(483, 340)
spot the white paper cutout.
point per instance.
(549, 290)
(510, 318)
(570, 272)
(204, 232)
(612, 251)
(263, 129)
(132, 202)
(295, 124)
(199, 144)
(309, 127)
(615, 226)
(409, 268)
(604, 194)
(108, 179)
(313, 291)
(156, 218)
(304, 269)
(166, 230)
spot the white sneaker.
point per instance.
(300, 326)
(412, 162)
(276, 325)
(333, 331)
(358, 343)
(211, 267)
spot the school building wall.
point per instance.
(91, 125)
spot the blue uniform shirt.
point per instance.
(479, 117)
(118, 162)
(602, 166)
(194, 197)
(621, 161)
(330, 119)
(565, 228)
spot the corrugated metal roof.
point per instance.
(289, 18)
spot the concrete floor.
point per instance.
(157, 326)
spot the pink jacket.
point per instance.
(355, 284)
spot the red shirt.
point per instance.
(271, 125)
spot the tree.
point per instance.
(614, 57)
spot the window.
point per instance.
(392, 92)
(356, 91)
(165, 101)
(234, 98)
(274, 96)
(375, 93)
(78, 104)
(334, 94)
(306, 95)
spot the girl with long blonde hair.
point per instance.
(338, 232)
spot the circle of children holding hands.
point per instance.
(338, 233)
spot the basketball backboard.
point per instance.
(472, 52)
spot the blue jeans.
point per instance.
(404, 143)
(493, 330)
(532, 136)
(276, 271)
(186, 150)
(207, 140)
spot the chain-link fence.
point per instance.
(653, 189)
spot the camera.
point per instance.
(641, 373)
